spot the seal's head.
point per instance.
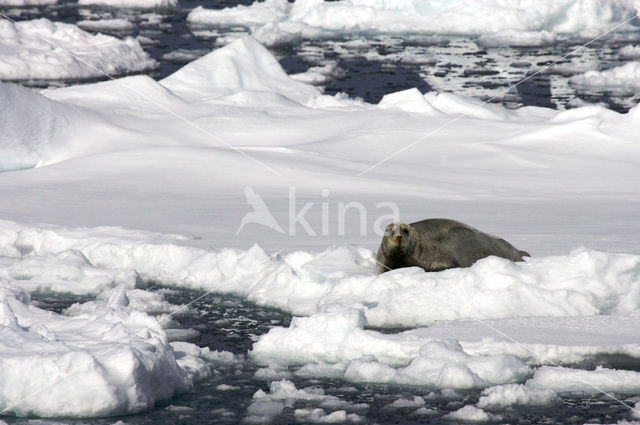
(399, 238)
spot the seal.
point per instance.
(437, 244)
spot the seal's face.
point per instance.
(399, 237)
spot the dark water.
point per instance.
(380, 65)
(233, 324)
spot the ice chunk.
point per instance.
(562, 379)
(469, 414)
(244, 65)
(624, 78)
(410, 100)
(109, 360)
(629, 52)
(368, 356)
(513, 38)
(500, 397)
(138, 4)
(56, 50)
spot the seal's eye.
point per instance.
(405, 231)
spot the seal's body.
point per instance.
(436, 244)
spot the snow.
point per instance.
(624, 78)
(277, 21)
(216, 167)
(56, 50)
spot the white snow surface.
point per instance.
(195, 160)
(276, 21)
(42, 49)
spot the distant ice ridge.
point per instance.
(276, 21)
(106, 359)
(41, 49)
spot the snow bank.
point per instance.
(55, 50)
(137, 4)
(625, 78)
(107, 360)
(276, 21)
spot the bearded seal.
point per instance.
(437, 244)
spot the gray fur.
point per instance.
(438, 243)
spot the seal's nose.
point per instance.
(397, 239)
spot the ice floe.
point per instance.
(624, 78)
(138, 4)
(630, 52)
(275, 21)
(514, 38)
(56, 50)
(107, 360)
